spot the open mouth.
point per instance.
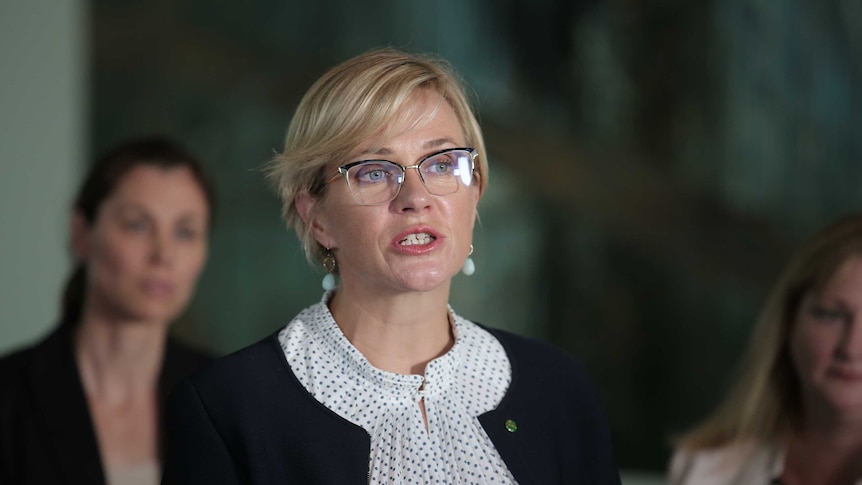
(417, 238)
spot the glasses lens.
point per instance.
(445, 172)
(374, 182)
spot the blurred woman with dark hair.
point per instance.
(84, 404)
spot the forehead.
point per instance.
(848, 275)
(423, 121)
(153, 185)
(844, 281)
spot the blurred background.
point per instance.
(653, 163)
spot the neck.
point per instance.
(825, 452)
(831, 425)
(397, 333)
(118, 360)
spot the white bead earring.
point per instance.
(329, 265)
(469, 266)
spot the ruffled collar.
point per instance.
(318, 320)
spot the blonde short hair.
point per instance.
(353, 101)
(765, 403)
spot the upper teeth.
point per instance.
(421, 238)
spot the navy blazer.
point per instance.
(46, 432)
(246, 419)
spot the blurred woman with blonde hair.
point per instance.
(795, 415)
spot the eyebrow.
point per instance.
(819, 299)
(438, 142)
(125, 208)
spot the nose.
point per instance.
(413, 194)
(162, 248)
(851, 342)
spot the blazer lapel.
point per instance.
(60, 397)
(179, 362)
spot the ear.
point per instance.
(309, 209)
(476, 194)
(79, 237)
(477, 185)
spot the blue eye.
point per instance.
(372, 173)
(439, 165)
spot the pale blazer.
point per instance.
(746, 463)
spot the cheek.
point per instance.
(109, 260)
(335, 221)
(193, 263)
(357, 230)
(359, 244)
(810, 349)
(463, 213)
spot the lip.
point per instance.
(157, 288)
(417, 249)
(846, 374)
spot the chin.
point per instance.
(425, 280)
(845, 402)
(154, 313)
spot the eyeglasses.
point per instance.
(374, 182)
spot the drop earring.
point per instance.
(469, 266)
(329, 265)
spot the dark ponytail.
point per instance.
(101, 180)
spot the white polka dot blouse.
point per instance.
(457, 387)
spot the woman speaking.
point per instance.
(381, 381)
